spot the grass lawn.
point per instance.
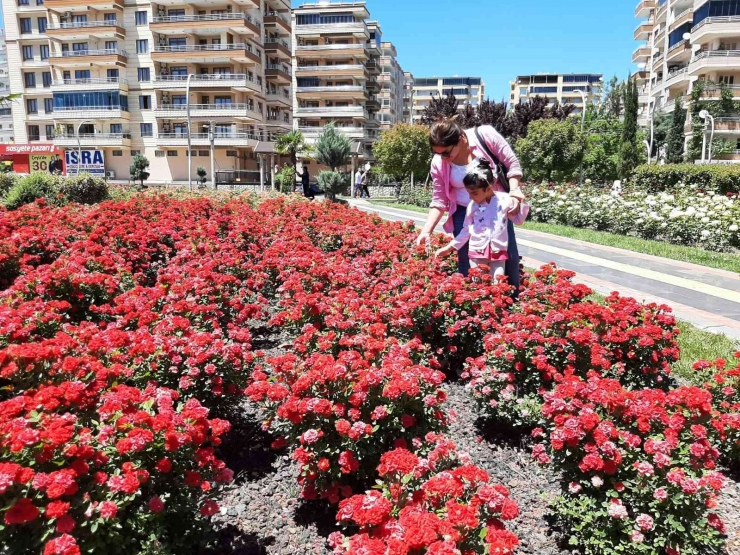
(391, 204)
(696, 345)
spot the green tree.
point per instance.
(614, 97)
(138, 168)
(629, 156)
(551, 150)
(333, 149)
(675, 138)
(404, 150)
(439, 107)
(603, 141)
(291, 144)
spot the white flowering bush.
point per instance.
(685, 216)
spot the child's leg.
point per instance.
(497, 268)
(481, 263)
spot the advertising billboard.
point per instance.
(91, 161)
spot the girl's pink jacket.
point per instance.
(443, 197)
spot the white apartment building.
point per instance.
(408, 96)
(6, 117)
(561, 88)
(335, 66)
(119, 77)
(392, 88)
(683, 42)
(467, 90)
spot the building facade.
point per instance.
(408, 96)
(392, 86)
(118, 76)
(683, 42)
(557, 88)
(467, 90)
(336, 67)
(6, 110)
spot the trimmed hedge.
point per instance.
(720, 178)
(415, 196)
(56, 189)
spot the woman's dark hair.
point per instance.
(445, 132)
(478, 174)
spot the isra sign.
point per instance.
(91, 161)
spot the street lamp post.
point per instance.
(187, 156)
(583, 125)
(79, 144)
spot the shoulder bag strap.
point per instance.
(500, 168)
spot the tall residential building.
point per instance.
(687, 41)
(408, 96)
(118, 74)
(336, 64)
(392, 82)
(557, 87)
(467, 90)
(6, 111)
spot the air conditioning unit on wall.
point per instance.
(110, 174)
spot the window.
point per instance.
(49, 132)
(33, 133)
(44, 49)
(23, 2)
(110, 17)
(79, 47)
(32, 106)
(91, 99)
(142, 46)
(159, 153)
(42, 24)
(193, 153)
(171, 153)
(26, 25)
(727, 79)
(117, 153)
(202, 153)
(146, 130)
(112, 75)
(116, 128)
(111, 45)
(82, 76)
(29, 80)
(177, 43)
(46, 76)
(231, 153)
(135, 153)
(144, 74)
(145, 102)
(48, 105)
(28, 52)
(141, 18)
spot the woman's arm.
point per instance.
(435, 214)
(464, 236)
(503, 151)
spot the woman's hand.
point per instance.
(443, 251)
(516, 204)
(423, 238)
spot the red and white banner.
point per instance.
(30, 149)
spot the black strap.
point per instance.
(499, 165)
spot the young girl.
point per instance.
(486, 220)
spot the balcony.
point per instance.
(679, 52)
(662, 10)
(202, 139)
(715, 27)
(237, 81)
(330, 112)
(327, 51)
(72, 58)
(312, 133)
(233, 110)
(341, 91)
(94, 140)
(714, 93)
(348, 70)
(90, 112)
(236, 22)
(727, 125)
(714, 59)
(71, 30)
(644, 8)
(279, 73)
(277, 22)
(372, 103)
(686, 16)
(211, 53)
(677, 77)
(277, 47)
(643, 30)
(356, 28)
(279, 99)
(98, 84)
(641, 54)
(62, 6)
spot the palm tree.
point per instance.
(290, 144)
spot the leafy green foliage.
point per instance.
(285, 179)
(551, 150)
(291, 144)
(138, 168)
(29, 189)
(200, 171)
(83, 189)
(722, 179)
(404, 150)
(415, 196)
(629, 154)
(675, 138)
(333, 183)
(333, 149)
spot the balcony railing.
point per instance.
(207, 78)
(207, 48)
(333, 88)
(716, 54)
(275, 40)
(81, 25)
(210, 107)
(278, 15)
(90, 81)
(344, 67)
(683, 13)
(279, 67)
(232, 16)
(305, 47)
(217, 135)
(83, 53)
(718, 19)
(676, 73)
(678, 45)
(93, 136)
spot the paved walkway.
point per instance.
(706, 297)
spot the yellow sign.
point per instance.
(45, 163)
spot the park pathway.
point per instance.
(706, 297)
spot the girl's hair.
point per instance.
(445, 132)
(478, 174)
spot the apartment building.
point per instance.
(467, 90)
(683, 42)
(120, 78)
(336, 67)
(408, 96)
(6, 117)
(561, 88)
(392, 87)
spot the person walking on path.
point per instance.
(359, 182)
(365, 177)
(454, 148)
(306, 182)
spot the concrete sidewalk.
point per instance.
(706, 297)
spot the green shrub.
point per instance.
(333, 183)
(29, 189)
(285, 179)
(7, 180)
(415, 196)
(720, 178)
(84, 189)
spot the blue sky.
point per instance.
(499, 39)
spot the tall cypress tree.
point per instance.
(675, 138)
(629, 154)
